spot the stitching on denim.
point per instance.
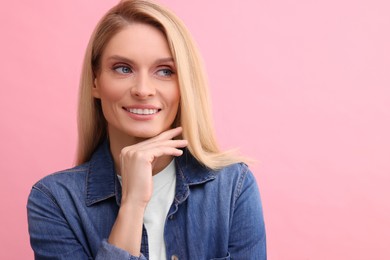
(240, 184)
(88, 200)
(86, 184)
(179, 172)
(117, 188)
(45, 190)
(101, 199)
(80, 168)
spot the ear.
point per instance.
(95, 88)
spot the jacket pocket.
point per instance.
(222, 258)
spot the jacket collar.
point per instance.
(189, 172)
(102, 182)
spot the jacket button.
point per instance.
(174, 257)
(171, 217)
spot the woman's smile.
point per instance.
(142, 112)
(137, 84)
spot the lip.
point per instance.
(149, 112)
(141, 106)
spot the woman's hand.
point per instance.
(137, 164)
(140, 161)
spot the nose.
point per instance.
(143, 87)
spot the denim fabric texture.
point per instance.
(215, 214)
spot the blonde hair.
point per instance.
(194, 114)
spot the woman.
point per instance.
(151, 182)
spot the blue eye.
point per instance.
(123, 69)
(165, 72)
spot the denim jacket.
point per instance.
(214, 215)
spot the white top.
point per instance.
(156, 211)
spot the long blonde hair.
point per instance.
(194, 114)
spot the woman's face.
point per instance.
(137, 83)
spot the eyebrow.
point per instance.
(121, 58)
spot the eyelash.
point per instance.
(170, 71)
(115, 68)
(119, 69)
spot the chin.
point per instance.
(146, 133)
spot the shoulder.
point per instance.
(237, 170)
(194, 172)
(232, 179)
(238, 176)
(76, 174)
(62, 183)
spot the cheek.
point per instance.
(111, 91)
(175, 96)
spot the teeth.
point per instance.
(140, 111)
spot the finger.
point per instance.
(149, 156)
(164, 143)
(161, 151)
(164, 136)
(168, 134)
(155, 145)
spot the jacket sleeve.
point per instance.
(51, 236)
(247, 239)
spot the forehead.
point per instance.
(138, 40)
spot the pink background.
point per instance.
(301, 86)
